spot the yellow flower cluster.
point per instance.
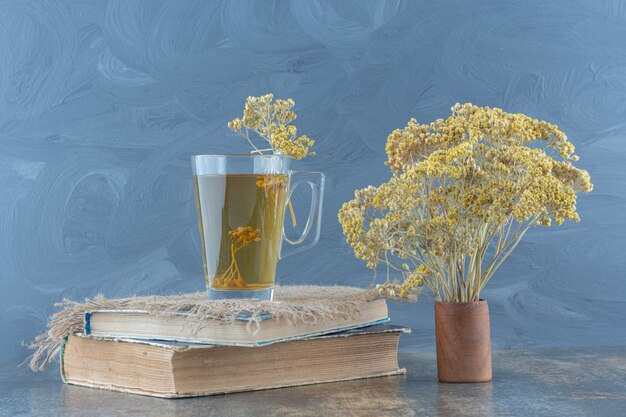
(416, 142)
(245, 235)
(410, 288)
(271, 121)
(459, 186)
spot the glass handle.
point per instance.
(311, 233)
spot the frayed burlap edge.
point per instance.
(294, 304)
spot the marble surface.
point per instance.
(529, 382)
(102, 102)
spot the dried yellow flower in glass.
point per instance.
(241, 237)
(463, 193)
(271, 121)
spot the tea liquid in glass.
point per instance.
(241, 224)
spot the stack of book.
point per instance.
(163, 356)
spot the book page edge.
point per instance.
(137, 391)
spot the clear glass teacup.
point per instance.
(241, 201)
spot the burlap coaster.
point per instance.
(294, 304)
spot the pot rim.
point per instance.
(480, 301)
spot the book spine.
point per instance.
(62, 359)
(87, 325)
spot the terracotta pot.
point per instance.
(463, 341)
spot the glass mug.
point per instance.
(241, 201)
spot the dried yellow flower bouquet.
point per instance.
(463, 193)
(272, 123)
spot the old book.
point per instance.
(144, 325)
(172, 370)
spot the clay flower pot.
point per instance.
(463, 341)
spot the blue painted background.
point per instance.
(102, 102)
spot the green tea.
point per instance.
(241, 224)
